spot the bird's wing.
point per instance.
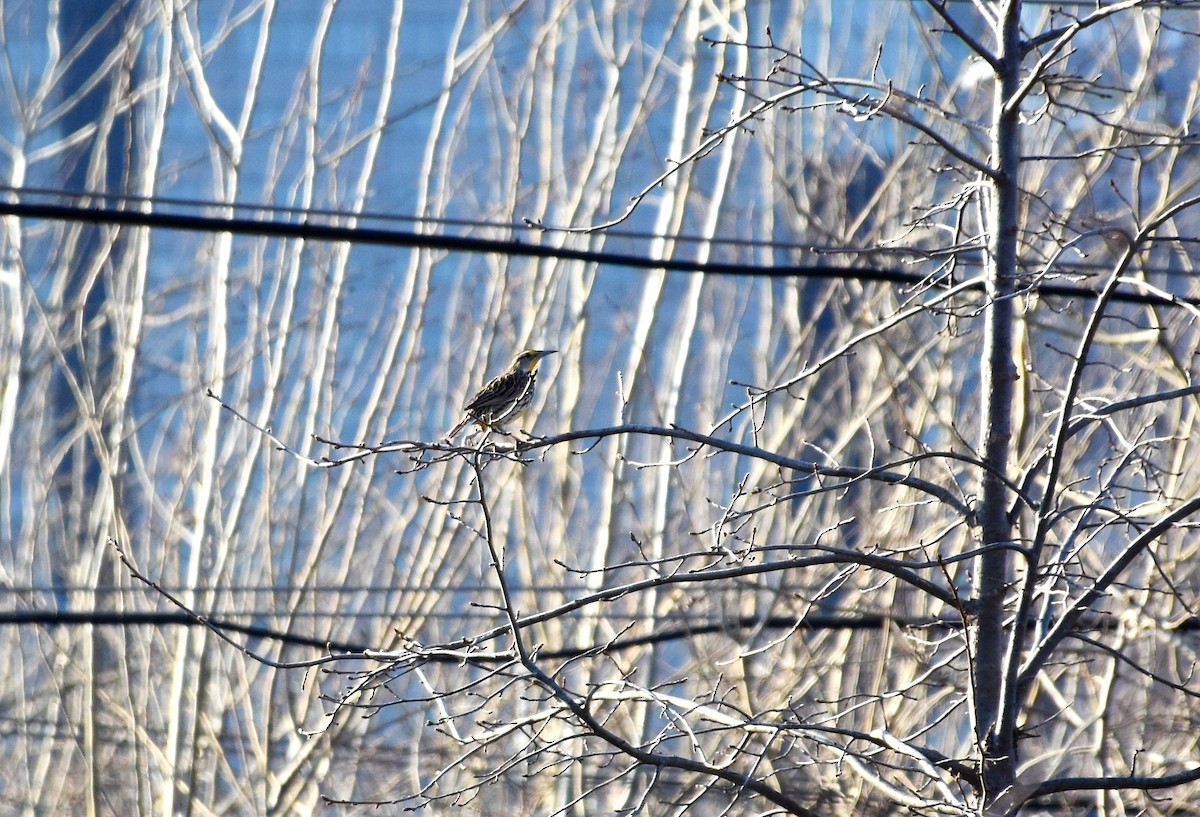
(498, 393)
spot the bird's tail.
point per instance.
(452, 433)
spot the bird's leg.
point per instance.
(478, 432)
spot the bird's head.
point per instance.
(528, 360)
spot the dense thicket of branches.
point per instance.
(823, 546)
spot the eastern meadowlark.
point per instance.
(506, 396)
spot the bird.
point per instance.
(506, 396)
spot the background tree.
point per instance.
(909, 531)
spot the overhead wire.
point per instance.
(318, 225)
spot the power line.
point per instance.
(378, 216)
(87, 198)
(118, 589)
(687, 630)
(317, 231)
(690, 628)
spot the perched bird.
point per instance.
(506, 396)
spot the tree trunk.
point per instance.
(998, 385)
